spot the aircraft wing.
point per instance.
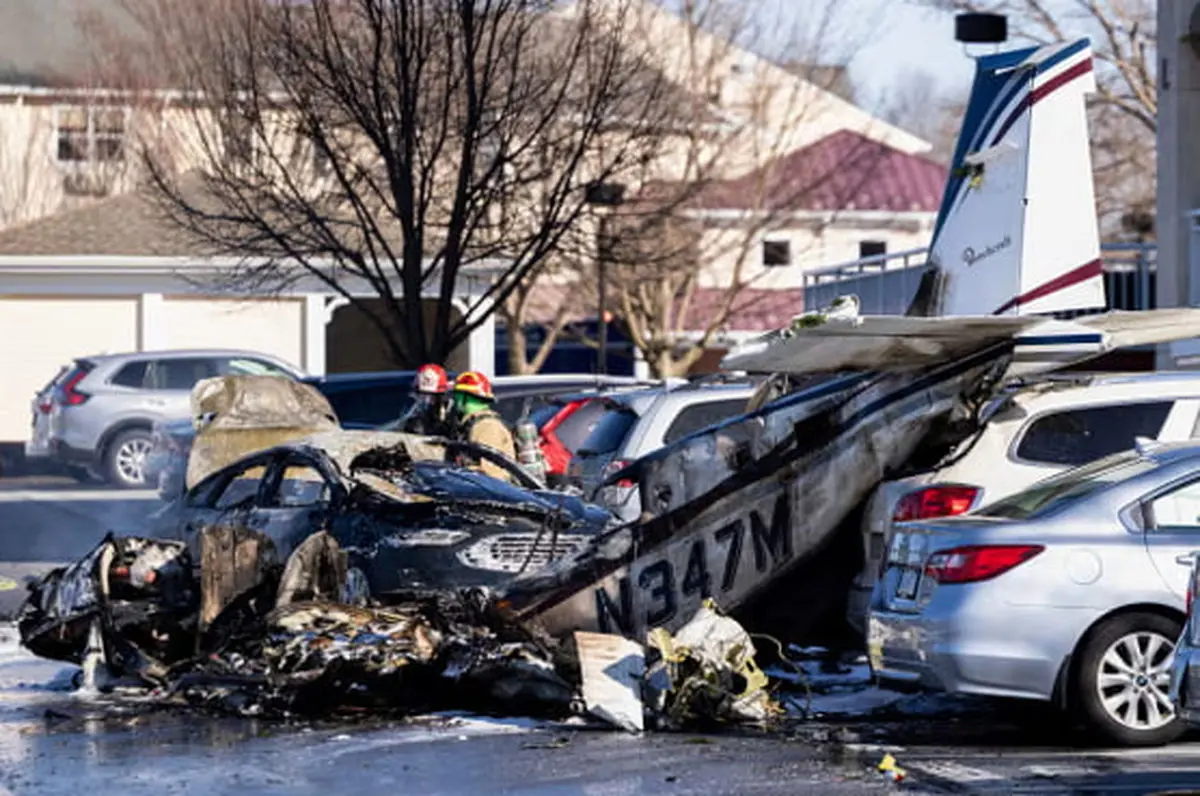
(1147, 327)
(885, 343)
(875, 343)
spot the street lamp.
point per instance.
(603, 195)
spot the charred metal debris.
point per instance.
(235, 629)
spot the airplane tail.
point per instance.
(1017, 232)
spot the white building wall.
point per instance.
(723, 250)
(38, 335)
(272, 326)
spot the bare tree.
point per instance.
(26, 190)
(400, 145)
(675, 281)
(1124, 111)
(917, 104)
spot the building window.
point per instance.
(871, 248)
(776, 252)
(91, 134)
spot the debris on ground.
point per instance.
(701, 677)
(706, 673)
(611, 672)
(224, 624)
(889, 768)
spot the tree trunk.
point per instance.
(662, 364)
(517, 349)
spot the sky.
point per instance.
(898, 38)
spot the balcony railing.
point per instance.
(886, 283)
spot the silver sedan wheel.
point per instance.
(131, 460)
(1134, 676)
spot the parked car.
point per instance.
(640, 422)
(565, 421)
(100, 410)
(1184, 690)
(411, 522)
(1028, 433)
(1066, 591)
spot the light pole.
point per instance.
(603, 195)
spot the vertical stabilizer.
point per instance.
(1017, 230)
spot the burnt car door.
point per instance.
(227, 497)
(296, 499)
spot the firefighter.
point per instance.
(430, 411)
(479, 423)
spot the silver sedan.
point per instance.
(1066, 592)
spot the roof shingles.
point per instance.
(843, 171)
(128, 225)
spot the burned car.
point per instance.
(407, 516)
(282, 506)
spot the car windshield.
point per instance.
(609, 432)
(1076, 483)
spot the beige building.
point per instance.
(114, 276)
(841, 198)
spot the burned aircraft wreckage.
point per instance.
(306, 564)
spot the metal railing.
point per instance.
(886, 283)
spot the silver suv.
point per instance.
(637, 423)
(97, 413)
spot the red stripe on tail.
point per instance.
(1069, 279)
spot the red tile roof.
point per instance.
(842, 171)
(754, 309)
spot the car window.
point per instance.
(242, 366)
(240, 489)
(180, 374)
(301, 485)
(1177, 510)
(609, 432)
(1077, 436)
(132, 375)
(1055, 491)
(573, 431)
(697, 416)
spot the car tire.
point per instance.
(1113, 669)
(125, 459)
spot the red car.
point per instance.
(563, 426)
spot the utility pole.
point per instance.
(605, 196)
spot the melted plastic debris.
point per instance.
(707, 674)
